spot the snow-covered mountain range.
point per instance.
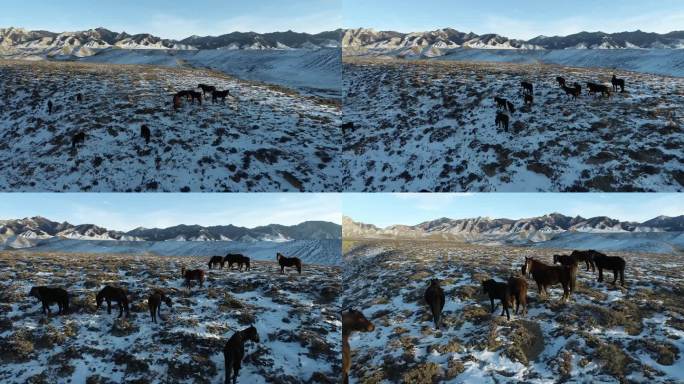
(536, 229)
(92, 41)
(28, 231)
(439, 42)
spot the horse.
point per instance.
(110, 294)
(510, 107)
(154, 303)
(545, 275)
(195, 96)
(78, 138)
(574, 92)
(49, 296)
(502, 121)
(176, 102)
(347, 127)
(216, 260)
(605, 91)
(518, 288)
(352, 321)
(529, 100)
(145, 133)
(613, 263)
(289, 262)
(49, 107)
(195, 274)
(500, 102)
(618, 83)
(587, 257)
(206, 88)
(79, 98)
(219, 95)
(234, 351)
(500, 291)
(565, 260)
(578, 87)
(527, 87)
(561, 81)
(238, 259)
(434, 297)
(594, 88)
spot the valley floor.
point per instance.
(604, 334)
(264, 138)
(297, 318)
(430, 125)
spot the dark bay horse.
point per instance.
(352, 321)
(502, 121)
(614, 263)
(49, 296)
(566, 260)
(216, 261)
(216, 95)
(291, 262)
(618, 83)
(545, 275)
(154, 303)
(518, 288)
(206, 89)
(145, 133)
(434, 297)
(527, 87)
(236, 258)
(234, 351)
(196, 274)
(77, 139)
(117, 294)
(586, 257)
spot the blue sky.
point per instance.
(522, 19)
(128, 211)
(173, 18)
(410, 209)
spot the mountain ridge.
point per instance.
(22, 232)
(535, 229)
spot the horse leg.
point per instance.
(236, 370)
(615, 275)
(600, 276)
(121, 309)
(109, 307)
(153, 314)
(46, 308)
(229, 368)
(492, 301)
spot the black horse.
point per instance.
(527, 87)
(216, 261)
(561, 81)
(234, 351)
(434, 297)
(78, 138)
(219, 95)
(614, 263)
(618, 83)
(145, 133)
(292, 262)
(110, 294)
(49, 296)
(502, 121)
(206, 89)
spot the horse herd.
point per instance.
(514, 291)
(503, 106)
(190, 95)
(234, 349)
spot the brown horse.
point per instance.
(529, 100)
(196, 274)
(234, 351)
(545, 275)
(154, 303)
(289, 262)
(352, 321)
(587, 257)
(500, 291)
(434, 297)
(614, 263)
(49, 296)
(561, 81)
(176, 102)
(518, 288)
(110, 294)
(216, 260)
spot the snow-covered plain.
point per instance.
(430, 125)
(310, 72)
(297, 318)
(327, 252)
(265, 138)
(604, 334)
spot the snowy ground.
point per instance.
(310, 72)
(430, 126)
(310, 251)
(297, 318)
(604, 334)
(266, 139)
